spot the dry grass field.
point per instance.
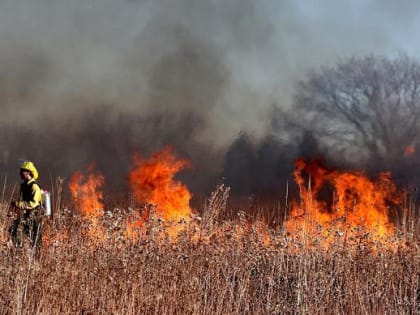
(213, 266)
(358, 254)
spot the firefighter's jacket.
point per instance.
(30, 195)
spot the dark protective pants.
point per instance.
(28, 225)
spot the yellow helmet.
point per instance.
(29, 166)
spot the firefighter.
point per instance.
(28, 214)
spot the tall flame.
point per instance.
(152, 181)
(359, 205)
(86, 193)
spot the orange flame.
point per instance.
(133, 229)
(87, 196)
(135, 226)
(359, 205)
(152, 181)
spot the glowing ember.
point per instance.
(409, 150)
(263, 231)
(86, 193)
(359, 206)
(152, 181)
(136, 226)
(133, 230)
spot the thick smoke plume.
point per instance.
(97, 81)
(84, 81)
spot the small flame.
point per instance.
(87, 195)
(409, 150)
(135, 225)
(152, 181)
(359, 205)
(133, 229)
(263, 232)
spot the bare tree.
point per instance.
(370, 105)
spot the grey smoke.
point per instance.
(96, 80)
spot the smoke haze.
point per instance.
(84, 81)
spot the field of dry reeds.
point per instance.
(232, 266)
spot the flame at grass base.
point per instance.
(359, 205)
(152, 181)
(87, 197)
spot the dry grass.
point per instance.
(227, 271)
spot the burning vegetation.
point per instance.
(125, 238)
(86, 192)
(162, 256)
(357, 205)
(342, 242)
(333, 206)
(152, 181)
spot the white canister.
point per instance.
(46, 196)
